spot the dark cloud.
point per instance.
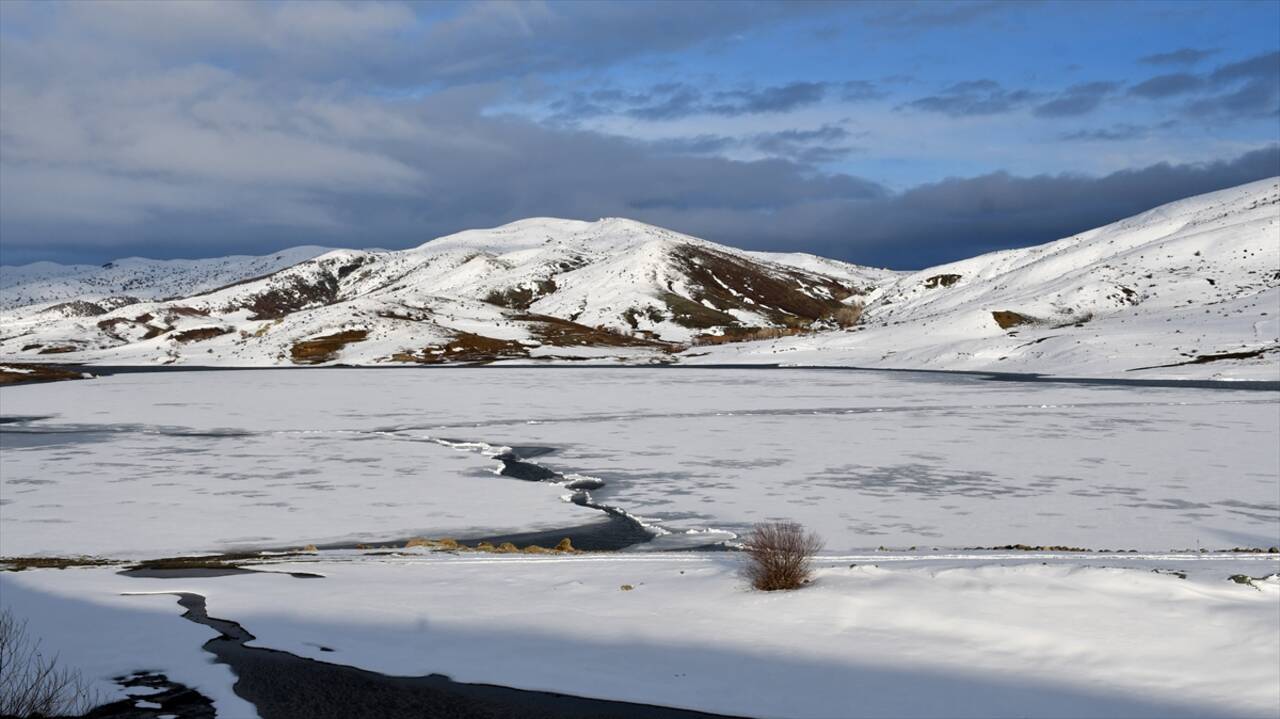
(144, 128)
(974, 97)
(861, 91)
(1076, 100)
(696, 145)
(825, 144)
(780, 98)
(959, 218)
(396, 44)
(675, 100)
(1162, 86)
(829, 143)
(1181, 56)
(1249, 88)
(1115, 133)
(680, 101)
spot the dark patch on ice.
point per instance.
(172, 699)
(23, 418)
(282, 685)
(206, 572)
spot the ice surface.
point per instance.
(160, 463)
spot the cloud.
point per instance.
(825, 144)
(1078, 99)
(232, 127)
(676, 100)
(974, 97)
(958, 218)
(1249, 88)
(861, 91)
(1181, 56)
(1115, 133)
(1162, 86)
(672, 101)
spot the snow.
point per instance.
(144, 464)
(1160, 295)
(157, 464)
(613, 274)
(48, 282)
(918, 637)
(1196, 277)
(104, 634)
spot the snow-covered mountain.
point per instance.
(1191, 288)
(535, 288)
(49, 282)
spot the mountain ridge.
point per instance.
(1106, 301)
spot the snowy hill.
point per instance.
(1191, 288)
(534, 288)
(49, 282)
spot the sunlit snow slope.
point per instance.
(535, 288)
(1189, 289)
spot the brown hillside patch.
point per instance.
(292, 294)
(563, 333)
(18, 564)
(184, 311)
(776, 294)
(59, 349)
(37, 373)
(519, 298)
(76, 308)
(747, 334)
(687, 313)
(465, 347)
(1007, 319)
(200, 334)
(324, 349)
(944, 280)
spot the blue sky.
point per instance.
(900, 134)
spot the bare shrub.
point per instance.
(780, 555)
(32, 684)
(847, 316)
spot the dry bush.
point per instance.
(33, 685)
(780, 555)
(847, 316)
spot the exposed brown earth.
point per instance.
(519, 298)
(18, 564)
(466, 347)
(727, 283)
(1007, 319)
(200, 334)
(325, 349)
(943, 280)
(563, 333)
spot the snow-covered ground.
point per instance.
(138, 464)
(49, 282)
(999, 636)
(157, 464)
(1182, 285)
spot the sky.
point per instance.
(892, 134)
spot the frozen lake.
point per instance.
(158, 463)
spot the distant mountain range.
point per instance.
(1191, 288)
